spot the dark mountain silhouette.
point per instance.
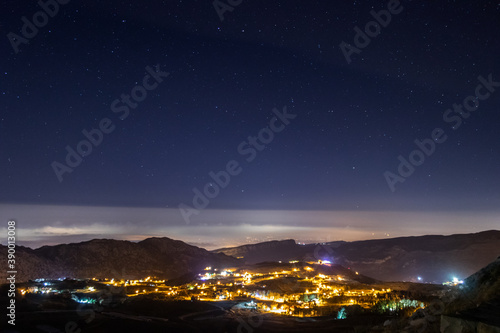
(433, 258)
(476, 305)
(100, 258)
(266, 251)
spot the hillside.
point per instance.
(266, 251)
(432, 258)
(480, 288)
(476, 304)
(160, 257)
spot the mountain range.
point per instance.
(419, 259)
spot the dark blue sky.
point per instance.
(225, 77)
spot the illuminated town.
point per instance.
(296, 289)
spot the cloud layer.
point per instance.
(39, 225)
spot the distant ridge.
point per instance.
(265, 251)
(433, 258)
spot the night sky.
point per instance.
(321, 176)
